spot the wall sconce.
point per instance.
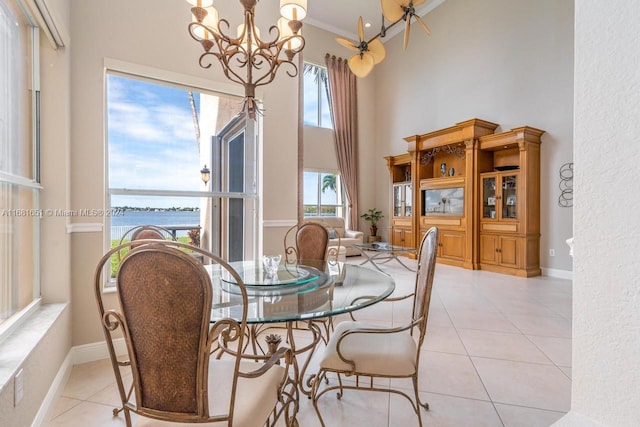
(205, 174)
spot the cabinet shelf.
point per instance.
(492, 225)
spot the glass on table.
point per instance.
(270, 263)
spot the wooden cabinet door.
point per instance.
(408, 239)
(452, 245)
(489, 249)
(397, 236)
(509, 251)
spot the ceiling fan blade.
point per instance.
(360, 29)
(361, 65)
(418, 2)
(407, 31)
(377, 50)
(423, 25)
(391, 10)
(348, 44)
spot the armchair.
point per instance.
(342, 236)
(368, 350)
(163, 313)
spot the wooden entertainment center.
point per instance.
(482, 191)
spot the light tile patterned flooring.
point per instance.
(497, 353)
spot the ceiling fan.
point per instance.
(395, 10)
(371, 52)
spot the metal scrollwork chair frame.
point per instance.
(367, 350)
(142, 232)
(164, 314)
(308, 243)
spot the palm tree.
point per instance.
(319, 73)
(329, 182)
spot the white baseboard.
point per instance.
(76, 356)
(54, 391)
(96, 351)
(560, 274)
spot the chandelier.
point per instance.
(245, 57)
(371, 52)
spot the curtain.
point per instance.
(343, 103)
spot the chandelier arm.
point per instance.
(226, 69)
(272, 75)
(271, 54)
(228, 49)
(247, 53)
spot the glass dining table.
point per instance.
(295, 297)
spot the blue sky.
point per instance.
(311, 102)
(152, 139)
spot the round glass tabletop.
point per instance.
(298, 292)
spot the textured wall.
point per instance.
(606, 324)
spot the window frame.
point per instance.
(340, 194)
(319, 88)
(31, 182)
(161, 77)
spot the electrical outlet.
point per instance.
(552, 252)
(18, 387)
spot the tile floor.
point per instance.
(497, 353)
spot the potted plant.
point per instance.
(373, 216)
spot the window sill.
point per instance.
(17, 346)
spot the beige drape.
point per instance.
(343, 103)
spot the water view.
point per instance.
(122, 222)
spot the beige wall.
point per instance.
(509, 62)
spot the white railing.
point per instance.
(117, 231)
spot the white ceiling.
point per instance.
(341, 16)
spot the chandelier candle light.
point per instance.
(246, 58)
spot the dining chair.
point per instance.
(142, 232)
(163, 313)
(308, 244)
(373, 351)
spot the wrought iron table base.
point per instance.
(383, 258)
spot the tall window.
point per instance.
(323, 194)
(19, 188)
(316, 97)
(159, 138)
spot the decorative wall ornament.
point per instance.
(566, 186)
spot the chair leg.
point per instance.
(314, 394)
(127, 417)
(419, 404)
(341, 390)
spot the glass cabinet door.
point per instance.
(408, 197)
(489, 198)
(509, 196)
(397, 200)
